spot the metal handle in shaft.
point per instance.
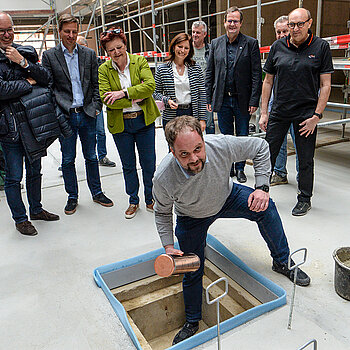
(217, 301)
(295, 268)
(313, 341)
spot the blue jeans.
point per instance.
(136, 132)
(192, 232)
(210, 128)
(14, 154)
(230, 115)
(85, 127)
(179, 112)
(100, 136)
(281, 160)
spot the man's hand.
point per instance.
(258, 200)
(203, 125)
(169, 249)
(13, 55)
(252, 109)
(112, 96)
(31, 81)
(209, 108)
(137, 100)
(264, 118)
(308, 126)
(172, 104)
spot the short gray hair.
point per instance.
(82, 40)
(198, 24)
(280, 19)
(4, 13)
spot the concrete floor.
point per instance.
(48, 298)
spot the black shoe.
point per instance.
(302, 278)
(301, 208)
(44, 215)
(185, 332)
(241, 176)
(103, 200)
(106, 162)
(26, 228)
(71, 206)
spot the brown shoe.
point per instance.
(44, 215)
(131, 211)
(26, 228)
(149, 207)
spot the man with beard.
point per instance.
(194, 178)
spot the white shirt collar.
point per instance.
(64, 49)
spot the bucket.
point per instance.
(166, 265)
(341, 257)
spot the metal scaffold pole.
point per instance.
(319, 18)
(154, 31)
(258, 21)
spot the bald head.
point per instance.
(299, 22)
(82, 41)
(6, 16)
(300, 11)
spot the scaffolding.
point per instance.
(149, 16)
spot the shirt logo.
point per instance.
(311, 56)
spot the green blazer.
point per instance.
(143, 86)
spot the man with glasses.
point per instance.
(75, 84)
(20, 71)
(233, 80)
(301, 65)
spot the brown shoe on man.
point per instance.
(26, 228)
(44, 215)
(149, 207)
(131, 211)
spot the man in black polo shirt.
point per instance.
(302, 65)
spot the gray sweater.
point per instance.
(205, 193)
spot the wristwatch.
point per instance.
(319, 115)
(264, 188)
(23, 62)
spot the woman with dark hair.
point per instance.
(180, 83)
(126, 87)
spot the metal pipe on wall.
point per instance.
(154, 31)
(319, 18)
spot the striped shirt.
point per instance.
(165, 90)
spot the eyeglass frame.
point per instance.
(234, 21)
(292, 25)
(8, 30)
(114, 31)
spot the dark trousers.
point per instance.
(230, 116)
(14, 154)
(85, 127)
(305, 147)
(191, 234)
(137, 133)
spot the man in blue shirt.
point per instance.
(75, 84)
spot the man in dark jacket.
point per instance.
(233, 80)
(75, 84)
(19, 73)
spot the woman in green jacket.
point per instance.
(126, 88)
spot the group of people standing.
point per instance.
(195, 80)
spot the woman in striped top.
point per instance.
(180, 82)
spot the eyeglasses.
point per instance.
(299, 24)
(234, 21)
(4, 31)
(114, 31)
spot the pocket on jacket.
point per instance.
(4, 127)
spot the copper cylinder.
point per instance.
(166, 265)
